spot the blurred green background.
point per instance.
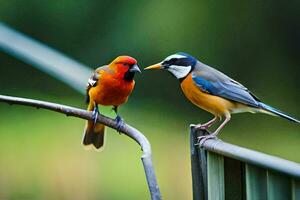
(41, 156)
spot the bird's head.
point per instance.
(125, 67)
(179, 64)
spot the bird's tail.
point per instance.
(93, 133)
(273, 111)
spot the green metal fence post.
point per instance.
(215, 176)
(256, 183)
(279, 186)
(225, 171)
(199, 166)
(234, 175)
(295, 189)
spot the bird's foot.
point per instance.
(120, 123)
(95, 115)
(202, 139)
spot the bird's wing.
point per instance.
(94, 79)
(216, 83)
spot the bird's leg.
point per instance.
(207, 124)
(115, 109)
(202, 139)
(118, 119)
(95, 114)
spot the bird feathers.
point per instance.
(93, 80)
(179, 72)
(211, 103)
(94, 135)
(216, 83)
(227, 90)
(277, 112)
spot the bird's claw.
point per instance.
(120, 123)
(202, 139)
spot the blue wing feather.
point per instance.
(214, 82)
(278, 112)
(227, 89)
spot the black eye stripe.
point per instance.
(171, 61)
(177, 61)
(182, 62)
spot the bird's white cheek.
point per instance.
(179, 71)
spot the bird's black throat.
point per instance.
(128, 76)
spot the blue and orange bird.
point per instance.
(109, 85)
(213, 91)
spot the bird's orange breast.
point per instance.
(111, 90)
(213, 104)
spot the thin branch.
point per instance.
(126, 129)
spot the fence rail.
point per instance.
(225, 171)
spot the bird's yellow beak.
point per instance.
(156, 66)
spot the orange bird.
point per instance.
(110, 85)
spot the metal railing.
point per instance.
(225, 171)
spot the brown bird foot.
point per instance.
(202, 139)
(120, 123)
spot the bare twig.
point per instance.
(126, 129)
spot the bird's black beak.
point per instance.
(135, 68)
